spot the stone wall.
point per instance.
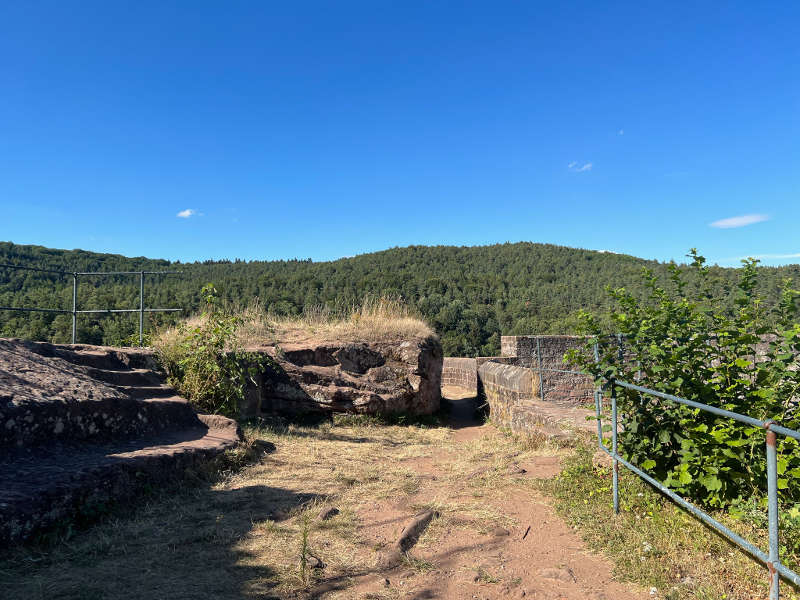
(462, 372)
(561, 388)
(506, 388)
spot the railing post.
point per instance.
(74, 306)
(141, 308)
(772, 504)
(541, 373)
(615, 473)
(598, 401)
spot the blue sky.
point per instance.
(328, 129)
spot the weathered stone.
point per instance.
(358, 359)
(85, 426)
(328, 513)
(371, 378)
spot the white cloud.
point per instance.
(185, 214)
(740, 221)
(573, 166)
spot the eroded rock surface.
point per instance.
(82, 426)
(369, 378)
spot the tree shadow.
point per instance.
(181, 544)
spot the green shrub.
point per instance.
(203, 361)
(678, 340)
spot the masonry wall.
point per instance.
(560, 388)
(506, 389)
(462, 372)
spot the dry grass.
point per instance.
(242, 535)
(654, 542)
(375, 319)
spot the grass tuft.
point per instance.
(374, 319)
(655, 543)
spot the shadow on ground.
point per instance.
(182, 546)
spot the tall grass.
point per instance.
(374, 319)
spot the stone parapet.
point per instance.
(462, 372)
(561, 388)
(506, 388)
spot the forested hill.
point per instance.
(470, 295)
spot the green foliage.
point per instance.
(680, 340)
(469, 295)
(204, 363)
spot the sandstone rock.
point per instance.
(328, 513)
(368, 378)
(85, 426)
(264, 446)
(358, 358)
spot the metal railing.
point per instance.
(771, 558)
(75, 312)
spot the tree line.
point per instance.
(470, 295)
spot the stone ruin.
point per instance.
(82, 427)
(520, 397)
(368, 378)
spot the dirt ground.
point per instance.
(508, 543)
(258, 532)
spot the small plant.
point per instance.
(484, 576)
(420, 565)
(204, 361)
(304, 549)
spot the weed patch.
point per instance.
(655, 543)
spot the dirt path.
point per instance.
(258, 532)
(507, 546)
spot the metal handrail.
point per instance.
(75, 312)
(770, 559)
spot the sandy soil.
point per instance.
(527, 553)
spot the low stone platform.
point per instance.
(84, 426)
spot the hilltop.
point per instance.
(468, 295)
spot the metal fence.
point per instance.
(107, 311)
(771, 558)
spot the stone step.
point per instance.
(151, 391)
(126, 377)
(40, 486)
(115, 417)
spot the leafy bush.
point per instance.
(680, 341)
(203, 361)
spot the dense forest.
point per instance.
(470, 295)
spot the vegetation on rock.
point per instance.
(204, 361)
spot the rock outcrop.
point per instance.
(368, 378)
(84, 426)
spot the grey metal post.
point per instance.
(598, 402)
(615, 473)
(541, 373)
(74, 306)
(141, 308)
(772, 499)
